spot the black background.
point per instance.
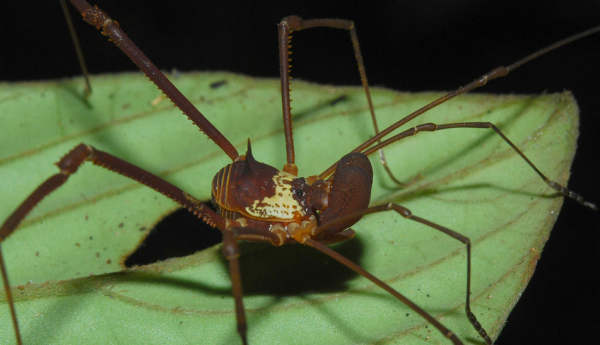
(407, 45)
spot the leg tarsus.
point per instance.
(406, 213)
(570, 194)
(477, 326)
(432, 127)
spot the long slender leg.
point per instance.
(68, 165)
(432, 127)
(344, 261)
(86, 76)
(110, 28)
(497, 72)
(286, 27)
(71, 162)
(231, 251)
(9, 298)
(406, 213)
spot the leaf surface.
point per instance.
(65, 259)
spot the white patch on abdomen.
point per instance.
(282, 206)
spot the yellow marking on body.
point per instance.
(227, 183)
(220, 186)
(223, 185)
(277, 205)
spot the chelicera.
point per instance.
(277, 206)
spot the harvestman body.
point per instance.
(257, 202)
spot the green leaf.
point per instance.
(65, 259)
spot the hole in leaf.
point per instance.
(179, 234)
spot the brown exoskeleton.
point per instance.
(283, 228)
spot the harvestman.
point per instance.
(247, 221)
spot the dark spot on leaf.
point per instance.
(218, 84)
